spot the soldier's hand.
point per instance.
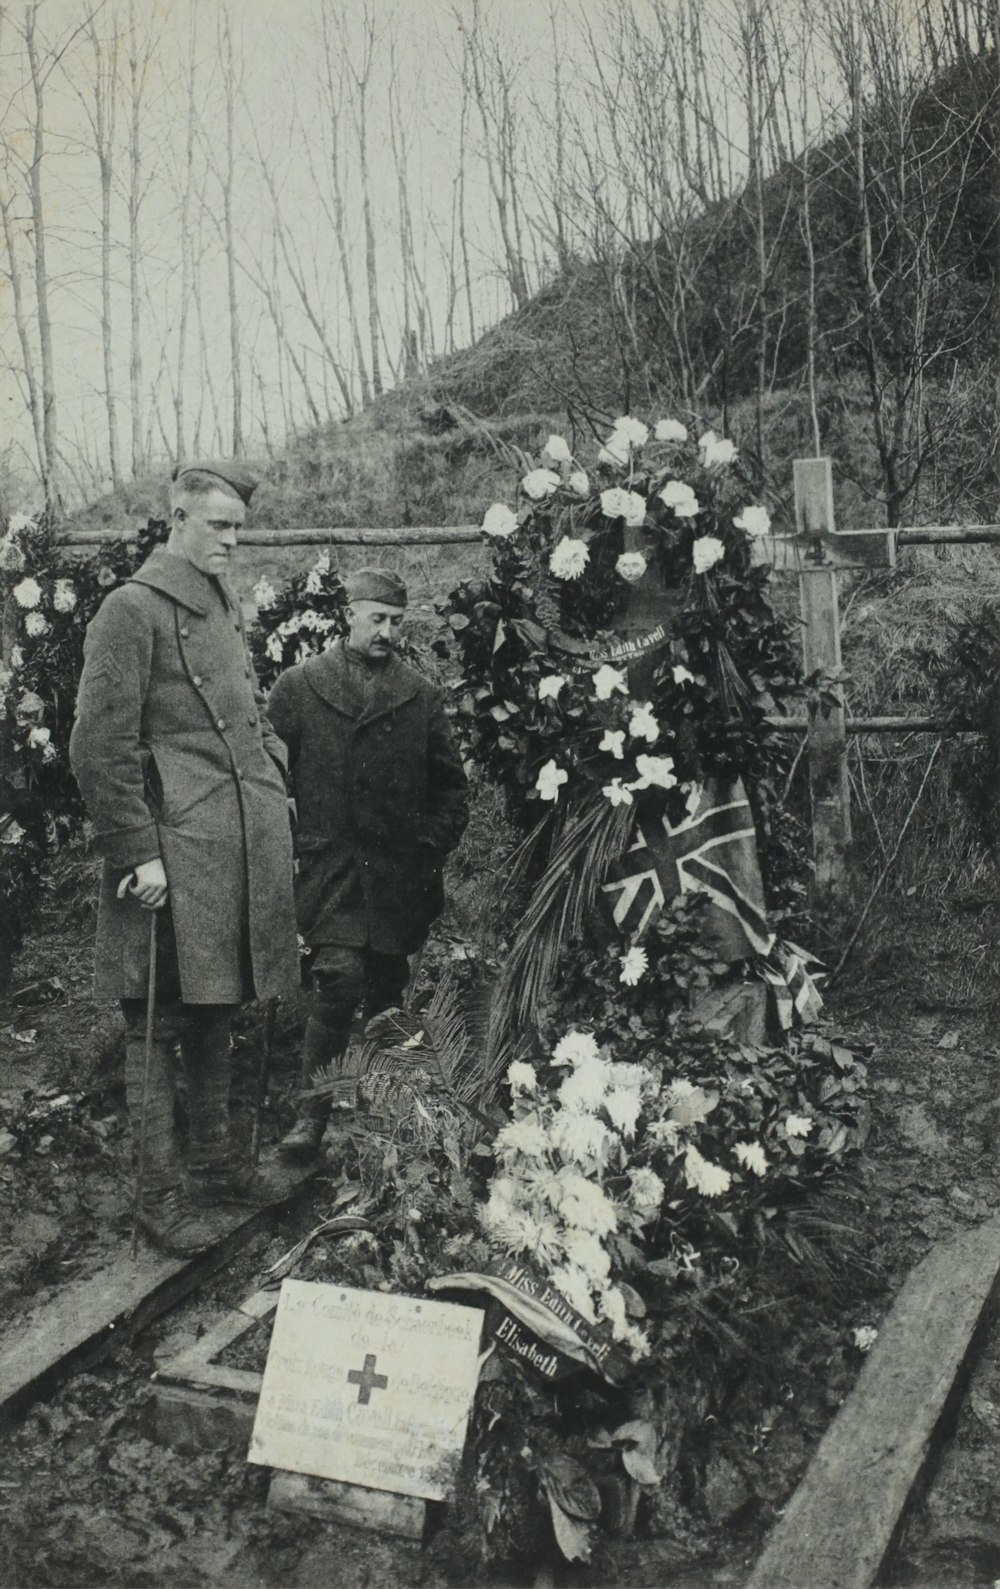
(148, 884)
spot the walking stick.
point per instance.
(263, 1072)
(140, 1178)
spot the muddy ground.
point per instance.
(88, 1497)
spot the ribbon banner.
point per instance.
(528, 1300)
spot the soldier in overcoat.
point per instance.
(183, 777)
(381, 800)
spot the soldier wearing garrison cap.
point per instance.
(381, 798)
(183, 777)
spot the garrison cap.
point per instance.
(229, 470)
(376, 584)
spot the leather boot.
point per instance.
(320, 1046)
(172, 1225)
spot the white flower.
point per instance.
(755, 521)
(549, 687)
(579, 482)
(264, 593)
(314, 582)
(630, 566)
(654, 771)
(616, 450)
(36, 624)
(627, 505)
(11, 833)
(11, 555)
(797, 1125)
(701, 1176)
(569, 559)
(752, 1157)
(523, 1136)
(681, 675)
(670, 430)
(608, 679)
(105, 577)
(273, 647)
(715, 450)
(539, 483)
(499, 520)
(575, 1048)
(521, 1077)
(38, 738)
(634, 963)
(677, 494)
(582, 1139)
(613, 741)
(634, 431)
(64, 596)
(647, 1188)
(28, 593)
(664, 1133)
(49, 753)
(643, 725)
(586, 1087)
(585, 1250)
(584, 1204)
(617, 793)
(623, 1105)
(550, 779)
(865, 1337)
(16, 657)
(571, 1283)
(556, 449)
(707, 551)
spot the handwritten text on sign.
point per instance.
(367, 1388)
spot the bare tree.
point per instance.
(40, 72)
(141, 47)
(101, 113)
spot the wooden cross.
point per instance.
(367, 1380)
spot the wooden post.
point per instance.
(828, 782)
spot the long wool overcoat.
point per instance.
(381, 798)
(175, 759)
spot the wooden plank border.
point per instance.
(838, 1529)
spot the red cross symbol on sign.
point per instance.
(367, 1380)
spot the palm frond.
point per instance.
(582, 852)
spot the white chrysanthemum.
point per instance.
(616, 450)
(702, 1176)
(670, 430)
(583, 1204)
(613, 742)
(579, 481)
(634, 965)
(798, 1125)
(105, 577)
(754, 521)
(569, 558)
(679, 496)
(35, 625)
(681, 674)
(11, 556)
(30, 708)
(585, 1250)
(264, 593)
(607, 680)
(646, 1188)
(539, 483)
(582, 1139)
(575, 1048)
(549, 687)
(634, 431)
(612, 1307)
(39, 737)
(617, 793)
(654, 771)
(499, 521)
(314, 582)
(557, 449)
(636, 1076)
(627, 505)
(865, 1337)
(643, 725)
(64, 596)
(311, 619)
(706, 552)
(16, 657)
(550, 780)
(623, 1105)
(273, 647)
(49, 754)
(664, 1134)
(502, 1200)
(585, 1088)
(304, 650)
(521, 1077)
(752, 1157)
(525, 1136)
(28, 593)
(630, 566)
(715, 451)
(571, 1283)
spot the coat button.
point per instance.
(221, 722)
(185, 633)
(196, 681)
(252, 720)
